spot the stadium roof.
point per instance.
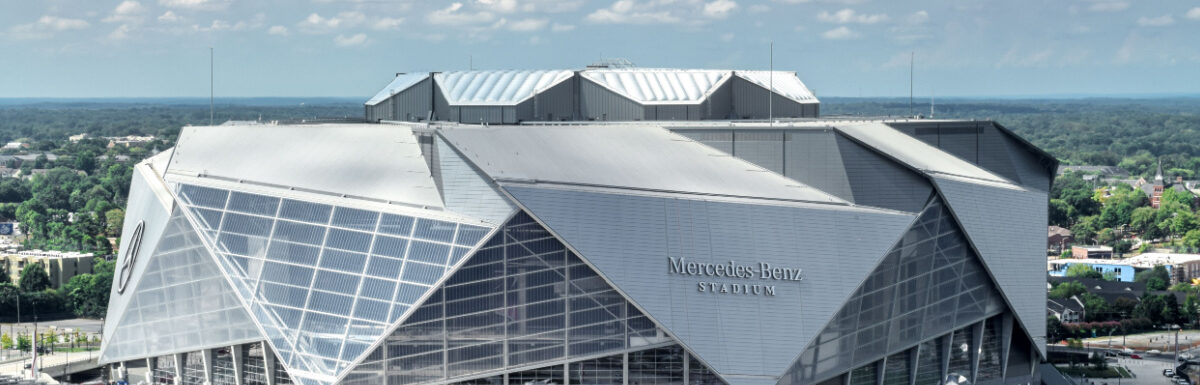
(659, 86)
(641, 158)
(401, 82)
(496, 87)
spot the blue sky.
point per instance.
(159, 48)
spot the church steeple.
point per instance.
(1158, 177)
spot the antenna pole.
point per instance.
(911, 56)
(771, 86)
(210, 85)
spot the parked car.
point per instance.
(1135, 356)
(1169, 372)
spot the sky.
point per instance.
(352, 48)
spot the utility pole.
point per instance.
(211, 82)
(771, 86)
(911, 58)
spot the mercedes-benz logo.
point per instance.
(135, 243)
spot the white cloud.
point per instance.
(454, 15)
(277, 30)
(1161, 21)
(847, 16)
(550, 6)
(719, 9)
(168, 17)
(315, 23)
(350, 41)
(128, 11)
(61, 24)
(387, 24)
(1108, 6)
(628, 12)
(219, 25)
(839, 33)
(758, 8)
(46, 26)
(207, 5)
(502, 6)
(528, 25)
(121, 32)
(1194, 13)
(728, 37)
(918, 17)
(562, 27)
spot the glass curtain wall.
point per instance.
(324, 281)
(521, 300)
(930, 282)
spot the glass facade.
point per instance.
(930, 282)
(520, 300)
(181, 302)
(324, 281)
(254, 367)
(163, 371)
(222, 368)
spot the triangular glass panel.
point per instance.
(323, 281)
(181, 302)
(929, 283)
(522, 301)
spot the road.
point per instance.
(51, 361)
(87, 325)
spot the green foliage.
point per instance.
(1067, 289)
(1095, 307)
(34, 278)
(6, 341)
(1080, 270)
(87, 294)
(1156, 279)
(1086, 228)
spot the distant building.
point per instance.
(1091, 252)
(1155, 190)
(1058, 238)
(1106, 172)
(14, 146)
(129, 140)
(1123, 271)
(60, 266)
(1181, 267)
(76, 138)
(1067, 310)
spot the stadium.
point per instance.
(596, 226)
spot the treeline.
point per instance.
(1131, 133)
(57, 121)
(85, 295)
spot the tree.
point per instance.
(6, 341)
(1190, 308)
(1060, 213)
(1095, 307)
(1156, 279)
(34, 278)
(1079, 270)
(114, 220)
(1143, 221)
(4, 274)
(1054, 329)
(1086, 228)
(1067, 289)
(1171, 313)
(1192, 239)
